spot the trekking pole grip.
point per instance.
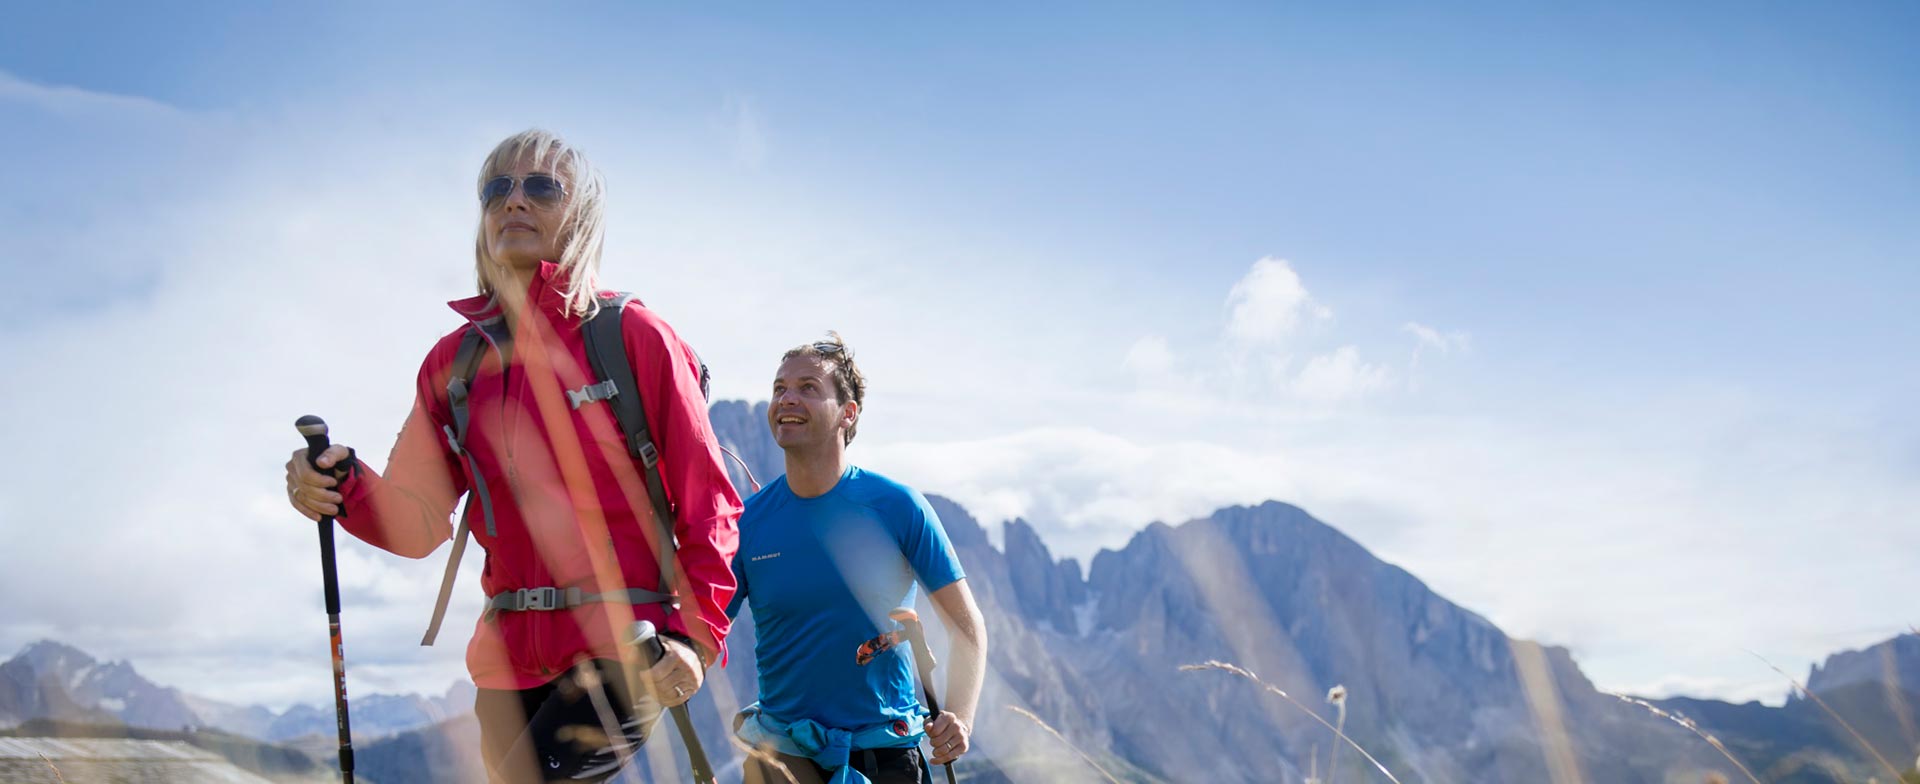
(314, 429)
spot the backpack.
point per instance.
(607, 357)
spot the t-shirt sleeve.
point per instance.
(923, 541)
(740, 593)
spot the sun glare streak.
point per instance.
(1891, 688)
(1543, 699)
(1253, 635)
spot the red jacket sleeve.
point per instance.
(707, 508)
(406, 511)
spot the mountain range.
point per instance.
(57, 682)
(1434, 691)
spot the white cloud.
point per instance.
(1086, 488)
(1340, 376)
(1149, 357)
(74, 101)
(1430, 338)
(1270, 304)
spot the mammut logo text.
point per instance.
(765, 557)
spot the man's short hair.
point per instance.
(848, 382)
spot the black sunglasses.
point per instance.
(541, 189)
(828, 348)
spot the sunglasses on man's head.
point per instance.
(540, 189)
(828, 348)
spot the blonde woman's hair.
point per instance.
(583, 224)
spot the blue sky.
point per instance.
(1664, 257)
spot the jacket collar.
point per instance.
(547, 293)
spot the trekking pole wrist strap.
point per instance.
(699, 651)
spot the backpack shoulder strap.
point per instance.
(607, 354)
(466, 364)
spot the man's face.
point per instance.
(804, 412)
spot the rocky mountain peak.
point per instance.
(52, 657)
(1044, 590)
(1894, 662)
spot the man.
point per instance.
(826, 553)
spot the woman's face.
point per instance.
(524, 230)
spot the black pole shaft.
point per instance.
(923, 657)
(315, 432)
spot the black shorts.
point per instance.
(882, 766)
(577, 727)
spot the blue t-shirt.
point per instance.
(822, 574)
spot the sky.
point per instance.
(1597, 318)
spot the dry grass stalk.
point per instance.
(768, 758)
(1836, 717)
(50, 766)
(1337, 697)
(1056, 733)
(1681, 719)
(1235, 669)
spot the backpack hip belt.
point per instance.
(549, 598)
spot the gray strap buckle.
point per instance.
(591, 393)
(548, 598)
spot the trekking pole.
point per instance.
(648, 639)
(315, 430)
(923, 656)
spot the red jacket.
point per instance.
(570, 504)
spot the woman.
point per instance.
(562, 503)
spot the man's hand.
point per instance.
(950, 737)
